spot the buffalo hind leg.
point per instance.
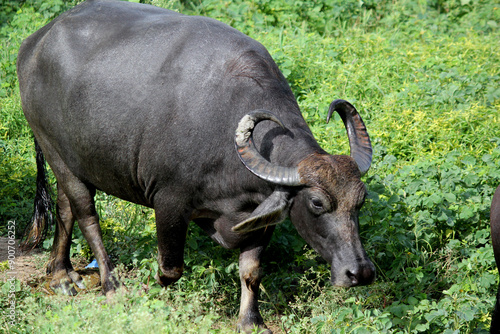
(63, 274)
(171, 231)
(81, 198)
(250, 276)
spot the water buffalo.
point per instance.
(495, 236)
(192, 118)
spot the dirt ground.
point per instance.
(31, 268)
(27, 266)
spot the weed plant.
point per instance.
(424, 76)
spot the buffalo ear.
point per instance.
(272, 211)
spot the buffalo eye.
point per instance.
(319, 202)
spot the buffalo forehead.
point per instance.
(336, 174)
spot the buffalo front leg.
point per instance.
(63, 274)
(171, 229)
(250, 276)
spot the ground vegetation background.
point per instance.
(424, 74)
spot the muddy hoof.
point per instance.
(64, 282)
(253, 328)
(63, 288)
(110, 285)
(166, 280)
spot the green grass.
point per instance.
(424, 76)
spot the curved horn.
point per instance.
(251, 158)
(359, 141)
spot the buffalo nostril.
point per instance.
(353, 276)
(361, 276)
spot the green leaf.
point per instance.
(466, 213)
(469, 160)
(450, 197)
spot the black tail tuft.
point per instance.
(42, 218)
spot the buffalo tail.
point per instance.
(36, 231)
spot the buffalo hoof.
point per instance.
(168, 278)
(110, 285)
(64, 281)
(253, 328)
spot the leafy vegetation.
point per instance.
(423, 74)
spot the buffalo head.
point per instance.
(322, 194)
